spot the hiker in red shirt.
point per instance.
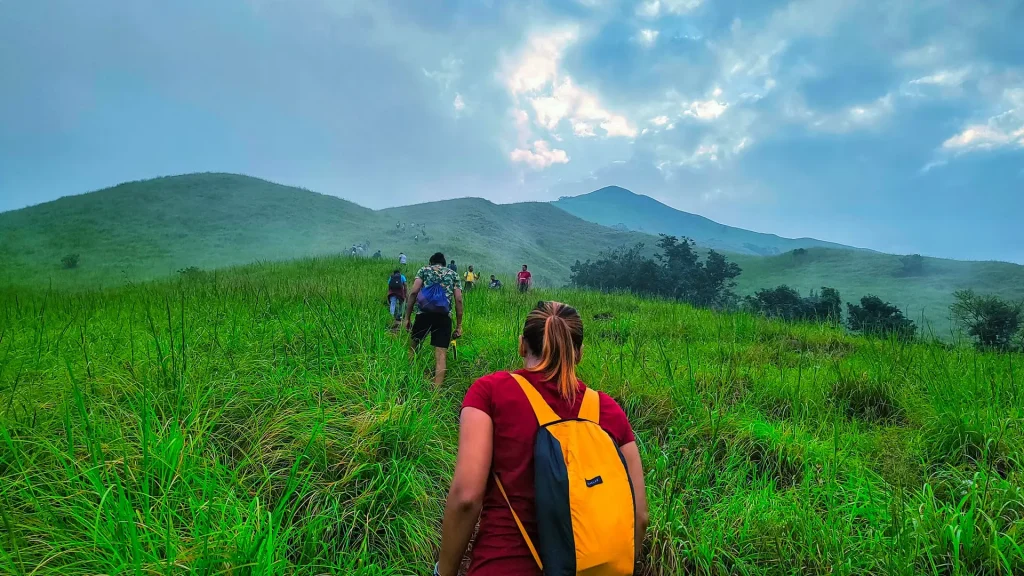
(525, 279)
(497, 430)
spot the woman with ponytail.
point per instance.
(497, 429)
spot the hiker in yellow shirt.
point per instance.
(470, 278)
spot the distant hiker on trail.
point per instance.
(525, 279)
(495, 283)
(452, 266)
(397, 294)
(433, 292)
(511, 471)
(471, 278)
(402, 258)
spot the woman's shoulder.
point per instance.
(493, 378)
(614, 419)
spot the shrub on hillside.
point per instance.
(990, 320)
(913, 265)
(69, 261)
(786, 303)
(828, 305)
(675, 272)
(779, 302)
(191, 273)
(876, 317)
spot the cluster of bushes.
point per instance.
(677, 272)
(994, 323)
(69, 261)
(871, 316)
(786, 303)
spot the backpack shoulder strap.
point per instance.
(545, 415)
(590, 409)
(522, 529)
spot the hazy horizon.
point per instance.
(881, 126)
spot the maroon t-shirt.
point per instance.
(499, 548)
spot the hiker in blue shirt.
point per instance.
(397, 294)
(435, 291)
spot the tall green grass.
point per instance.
(262, 420)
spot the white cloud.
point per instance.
(538, 65)
(535, 77)
(652, 8)
(582, 129)
(947, 78)
(540, 157)
(618, 126)
(931, 166)
(459, 104)
(985, 137)
(859, 117)
(549, 111)
(659, 120)
(706, 109)
(670, 159)
(647, 37)
(1003, 130)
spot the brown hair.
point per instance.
(554, 333)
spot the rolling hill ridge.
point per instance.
(142, 230)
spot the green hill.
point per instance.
(855, 272)
(140, 230)
(923, 297)
(617, 207)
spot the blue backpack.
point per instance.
(433, 298)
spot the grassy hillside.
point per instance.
(925, 297)
(614, 206)
(141, 230)
(501, 238)
(264, 421)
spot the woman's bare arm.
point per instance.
(635, 467)
(466, 496)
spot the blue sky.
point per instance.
(893, 125)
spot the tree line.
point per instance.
(678, 272)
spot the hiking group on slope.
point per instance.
(436, 290)
(548, 471)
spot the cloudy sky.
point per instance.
(894, 125)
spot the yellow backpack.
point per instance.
(584, 497)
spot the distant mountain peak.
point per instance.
(614, 190)
(616, 206)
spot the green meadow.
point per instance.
(263, 420)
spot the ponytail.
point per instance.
(554, 333)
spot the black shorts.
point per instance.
(437, 325)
